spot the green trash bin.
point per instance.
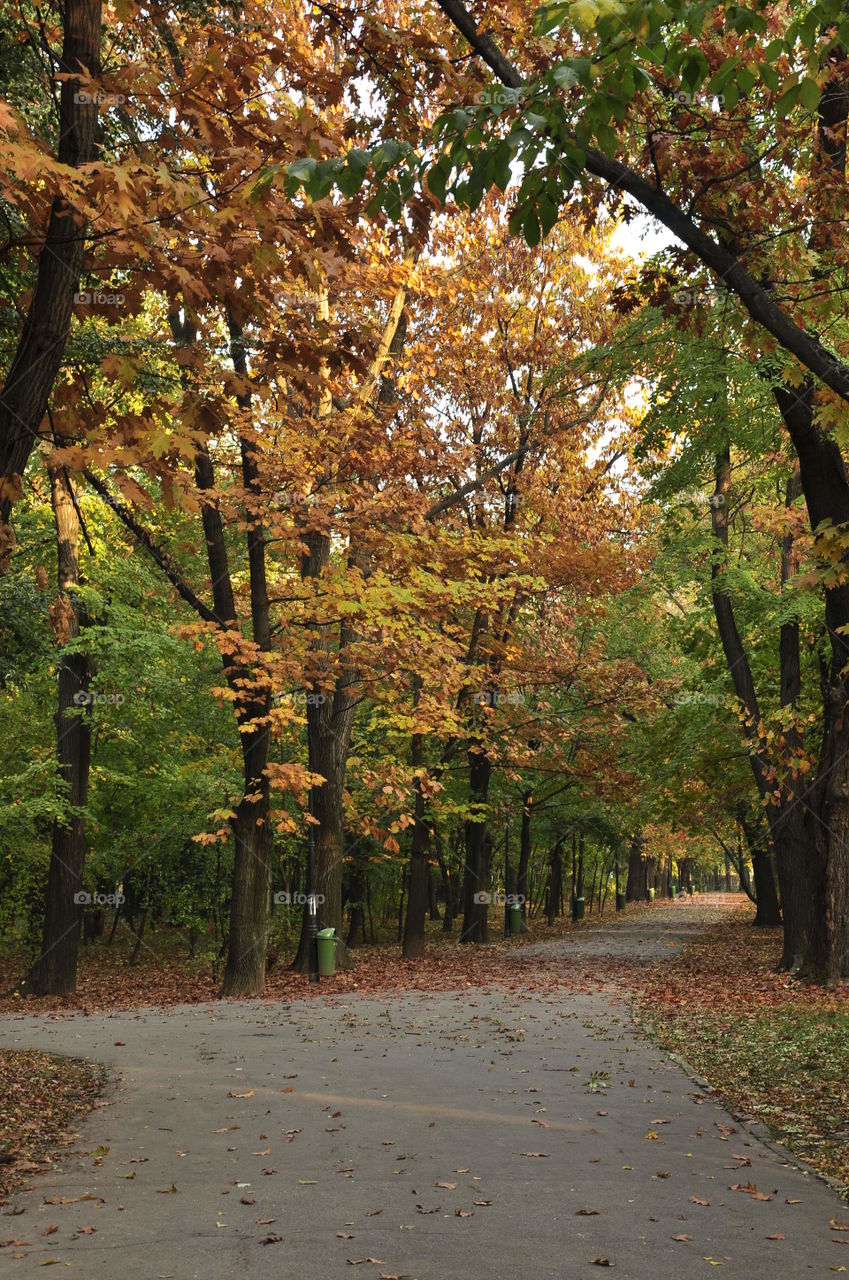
(620, 902)
(651, 895)
(580, 907)
(515, 917)
(327, 941)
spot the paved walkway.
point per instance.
(440, 1137)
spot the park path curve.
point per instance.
(443, 1136)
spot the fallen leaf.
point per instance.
(749, 1189)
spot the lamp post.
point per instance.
(312, 903)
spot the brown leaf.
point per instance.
(682, 1237)
(586, 1213)
(750, 1189)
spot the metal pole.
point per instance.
(312, 904)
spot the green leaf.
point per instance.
(788, 100)
(437, 179)
(809, 94)
(547, 214)
(531, 228)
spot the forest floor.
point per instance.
(506, 1117)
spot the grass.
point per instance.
(773, 1048)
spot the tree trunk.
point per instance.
(250, 903)
(478, 854)
(432, 895)
(41, 346)
(525, 851)
(55, 970)
(685, 873)
(330, 717)
(555, 882)
(635, 890)
(414, 923)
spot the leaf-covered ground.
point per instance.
(772, 1046)
(40, 1097)
(164, 975)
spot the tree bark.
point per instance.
(635, 890)
(525, 851)
(768, 912)
(414, 922)
(41, 346)
(55, 970)
(478, 852)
